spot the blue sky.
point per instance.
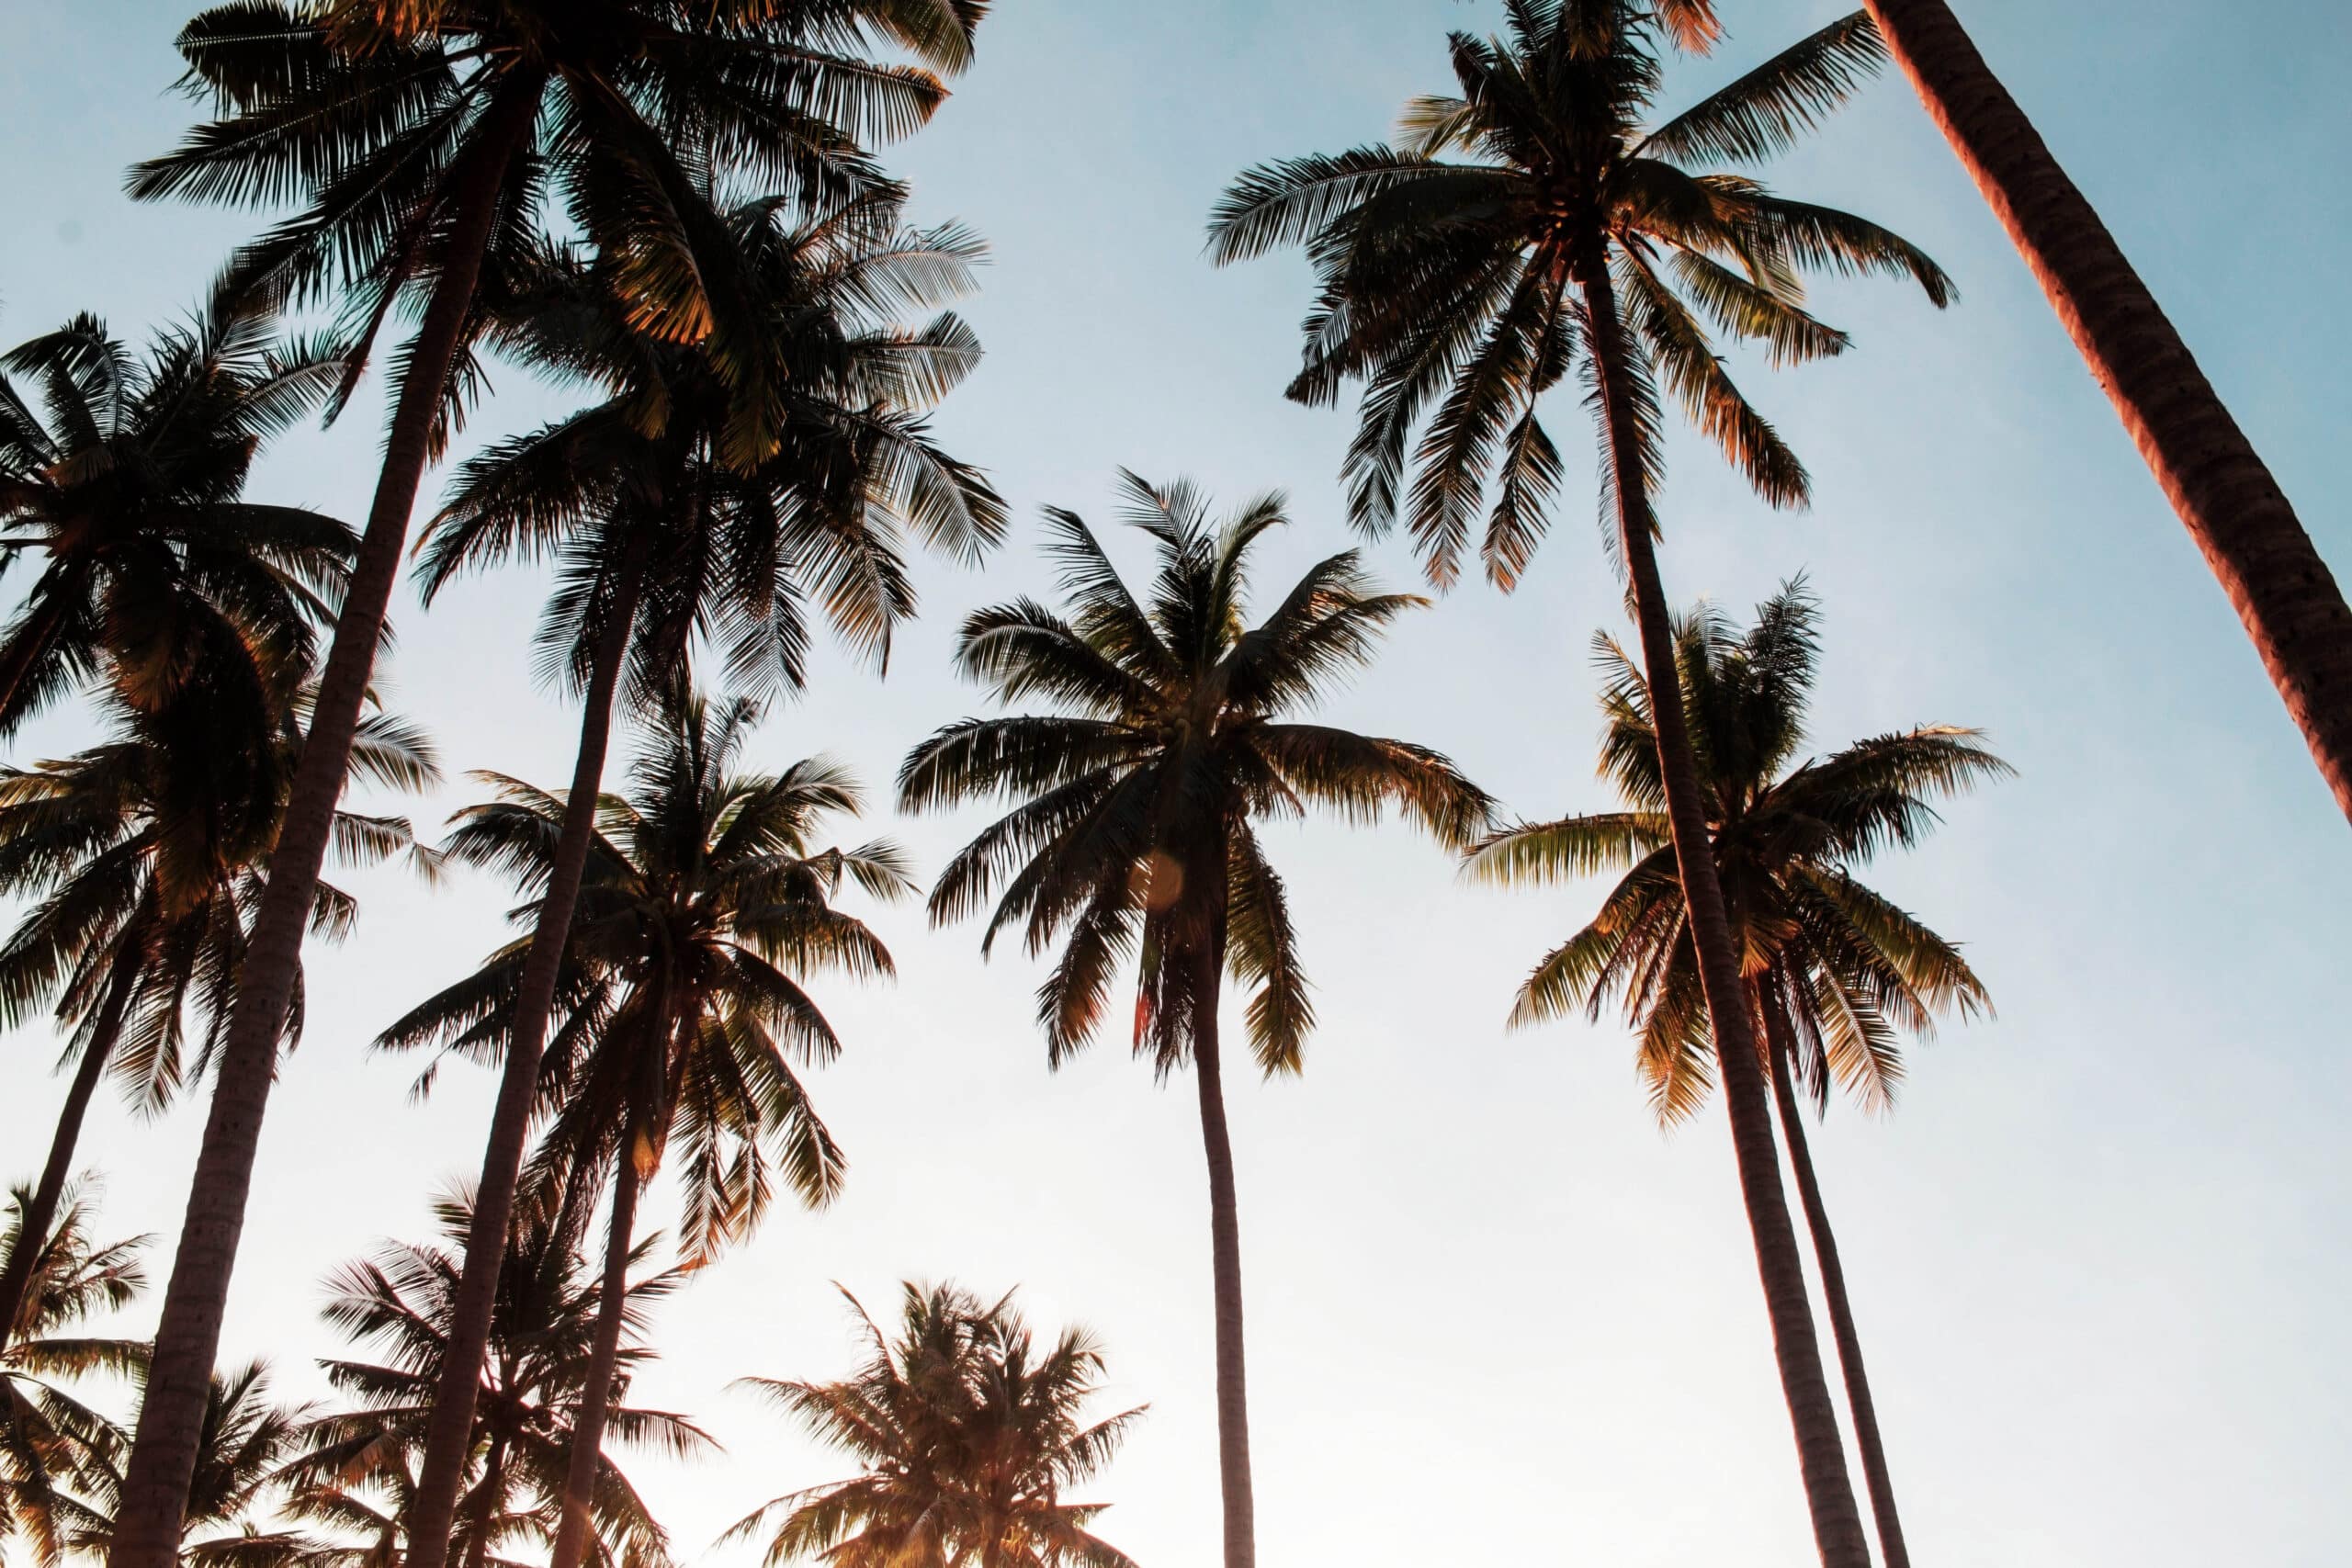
(2098, 1253)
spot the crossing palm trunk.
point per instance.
(2218, 484)
(449, 1428)
(1225, 1260)
(171, 1416)
(1781, 1056)
(595, 1400)
(32, 1228)
(1821, 1454)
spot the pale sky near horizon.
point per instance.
(2098, 1254)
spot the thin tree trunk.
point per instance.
(2218, 485)
(171, 1417)
(1821, 1455)
(32, 1230)
(24, 650)
(1781, 1058)
(1225, 1254)
(588, 1420)
(493, 1476)
(449, 1429)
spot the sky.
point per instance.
(1494, 1313)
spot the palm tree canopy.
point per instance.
(247, 1437)
(126, 477)
(1849, 968)
(1175, 726)
(732, 552)
(370, 117)
(705, 896)
(1446, 262)
(969, 1434)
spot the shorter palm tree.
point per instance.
(969, 1438)
(246, 1439)
(676, 1016)
(1834, 972)
(1131, 829)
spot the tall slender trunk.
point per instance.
(449, 1429)
(2218, 485)
(171, 1417)
(1781, 1057)
(1224, 1261)
(1821, 1455)
(595, 1400)
(34, 638)
(32, 1230)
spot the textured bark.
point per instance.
(1782, 1055)
(1821, 1455)
(449, 1428)
(32, 1232)
(572, 1537)
(171, 1417)
(1225, 1254)
(2221, 488)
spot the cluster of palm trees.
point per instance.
(676, 211)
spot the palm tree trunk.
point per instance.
(2218, 485)
(1225, 1254)
(1821, 1454)
(1781, 1057)
(588, 1420)
(449, 1429)
(171, 1417)
(493, 1476)
(32, 1230)
(34, 638)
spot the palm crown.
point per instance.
(1844, 965)
(1449, 286)
(969, 1435)
(1135, 801)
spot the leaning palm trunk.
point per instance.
(1821, 1454)
(2217, 483)
(171, 1417)
(33, 1225)
(450, 1430)
(1225, 1254)
(572, 1537)
(1782, 1055)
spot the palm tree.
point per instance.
(424, 142)
(1133, 804)
(677, 1018)
(657, 535)
(144, 857)
(54, 1447)
(1573, 239)
(2220, 487)
(237, 1484)
(358, 1474)
(1833, 970)
(127, 478)
(968, 1437)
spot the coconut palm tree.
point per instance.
(356, 1476)
(142, 858)
(238, 1482)
(2218, 486)
(54, 1447)
(703, 886)
(423, 144)
(126, 477)
(657, 535)
(1568, 237)
(1131, 830)
(969, 1436)
(1835, 971)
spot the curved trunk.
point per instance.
(2218, 485)
(1225, 1254)
(449, 1429)
(187, 1335)
(1821, 1455)
(493, 1476)
(33, 638)
(1781, 1056)
(32, 1230)
(588, 1421)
